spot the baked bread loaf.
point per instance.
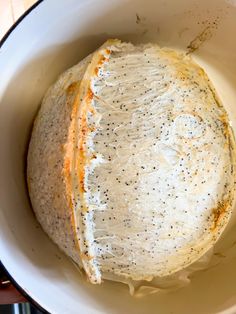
(131, 163)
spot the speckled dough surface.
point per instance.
(131, 164)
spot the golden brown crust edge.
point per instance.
(52, 160)
(48, 164)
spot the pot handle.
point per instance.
(8, 293)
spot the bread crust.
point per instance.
(49, 161)
(57, 159)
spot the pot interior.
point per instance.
(53, 37)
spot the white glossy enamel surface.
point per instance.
(54, 36)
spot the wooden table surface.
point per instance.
(10, 11)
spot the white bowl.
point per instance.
(49, 39)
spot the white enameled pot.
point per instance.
(51, 37)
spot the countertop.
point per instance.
(10, 11)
